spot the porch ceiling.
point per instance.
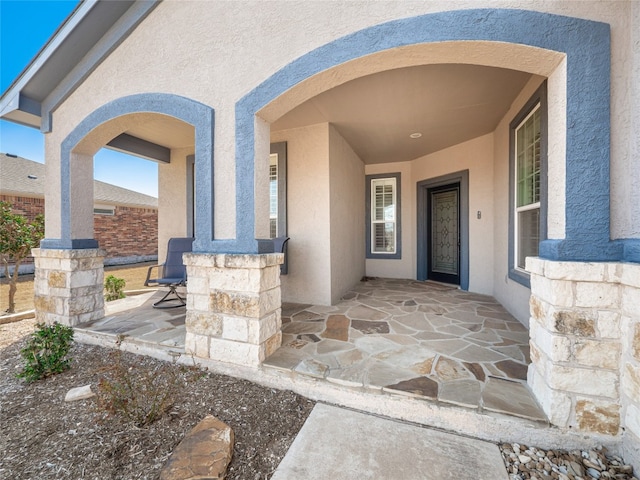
(163, 130)
(447, 103)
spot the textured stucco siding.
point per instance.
(308, 215)
(211, 51)
(347, 187)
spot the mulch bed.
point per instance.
(44, 437)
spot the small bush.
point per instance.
(141, 395)
(46, 351)
(114, 287)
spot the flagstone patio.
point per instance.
(414, 338)
(421, 339)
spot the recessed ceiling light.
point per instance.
(415, 135)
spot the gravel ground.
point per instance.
(43, 437)
(525, 463)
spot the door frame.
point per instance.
(422, 189)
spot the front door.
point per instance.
(443, 233)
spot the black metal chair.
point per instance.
(280, 246)
(173, 271)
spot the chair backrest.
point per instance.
(280, 246)
(173, 266)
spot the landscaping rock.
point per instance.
(205, 452)
(541, 464)
(79, 393)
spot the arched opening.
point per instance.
(359, 120)
(184, 126)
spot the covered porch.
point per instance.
(403, 338)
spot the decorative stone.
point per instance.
(476, 369)
(337, 328)
(604, 418)
(57, 279)
(204, 323)
(366, 313)
(597, 353)
(584, 381)
(631, 381)
(513, 369)
(79, 393)
(448, 369)
(420, 386)
(68, 285)
(635, 342)
(424, 367)
(575, 323)
(205, 452)
(370, 327)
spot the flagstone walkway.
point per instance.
(421, 339)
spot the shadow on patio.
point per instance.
(419, 339)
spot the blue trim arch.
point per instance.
(197, 114)
(587, 46)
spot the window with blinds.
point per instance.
(383, 215)
(527, 186)
(273, 196)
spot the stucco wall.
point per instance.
(308, 215)
(228, 37)
(476, 156)
(172, 200)
(404, 267)
(346, 173)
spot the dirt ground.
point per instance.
(44, 437)
(134, 275)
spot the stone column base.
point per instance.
(585, 344)
(69, 285)
(233, 306)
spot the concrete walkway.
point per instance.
(337, 443)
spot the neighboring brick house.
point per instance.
(125, 222)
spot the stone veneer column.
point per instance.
(69, 285)
(585, 345)
(233, 306)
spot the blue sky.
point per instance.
(25, 26)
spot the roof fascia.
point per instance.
(11, 99)
(16, 107)
(100, 51)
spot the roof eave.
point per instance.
(34, 110)
(10, 99)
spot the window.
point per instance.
(273, 195)
(278, 190)
(104, 210)
(383, 216)
(528, 184)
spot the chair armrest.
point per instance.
(146, 282)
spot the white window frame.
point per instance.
(527, 207)
(273, 195)
(371, 180)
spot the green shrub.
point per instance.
(46, 351)
(114, 287)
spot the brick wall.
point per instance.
(27, 206)
(130, 232)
